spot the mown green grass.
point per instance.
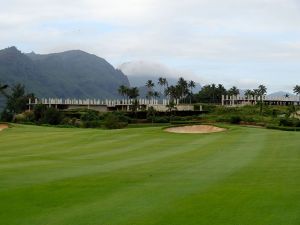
(58, 176)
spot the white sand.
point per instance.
(195, 129)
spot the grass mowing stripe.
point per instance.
(178, 180)
(187, 179)
(62, 171)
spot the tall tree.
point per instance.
(249, 93)
(17, 100)
(133, 93)
(161, 83)
(173, 92)
(191, 85)
(261, 91)
(123, 90)
(234, 91)
(211, 93)
(150, 85)
(156, 94)
(149, 94)
(182, 86)
(297, 91)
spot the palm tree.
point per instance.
(150, 85)
(150, 94)
(156, 94)
(173, 92)
(191, 85)
(133, 93)
(213, 90)
(161, 83)
(234, 91)
(261, 91)
(3, 87)
(248, 93)
(297, 91)
(166, 84)
(182, 85)
(123, 90)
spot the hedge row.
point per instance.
(283, 128)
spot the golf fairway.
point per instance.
(139, 176)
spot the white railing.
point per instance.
(99, 102)
(232, 99)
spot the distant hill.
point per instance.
(70, 74)
(274, 94)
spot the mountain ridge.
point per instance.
(69, 74)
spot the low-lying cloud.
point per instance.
(186, 35)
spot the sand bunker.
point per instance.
(195, 129)
(3, 126)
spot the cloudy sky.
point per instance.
(234, 42)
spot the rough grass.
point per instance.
(61, 176)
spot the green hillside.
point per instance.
(147, 176)
(71, 74)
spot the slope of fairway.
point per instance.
(243, 176)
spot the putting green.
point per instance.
(57, 176)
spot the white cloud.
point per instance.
(151, 69)
(246, 83)
(168, 31)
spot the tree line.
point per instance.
(17, 98)
(181, 90)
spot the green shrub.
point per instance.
(122, 117)
(52, 116)
(248, 119)
(286, 122)
(91, 124)
(19, 118)
(179, 118)
(275, 112)
(283, 128)
(224, 118)
(90, 115)
(112, 121)
(209, 107)
(7, 116)
(38, 112)
(184, 122)
(161, 119)
(289, 122)
(235, 119)
(24, 117)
